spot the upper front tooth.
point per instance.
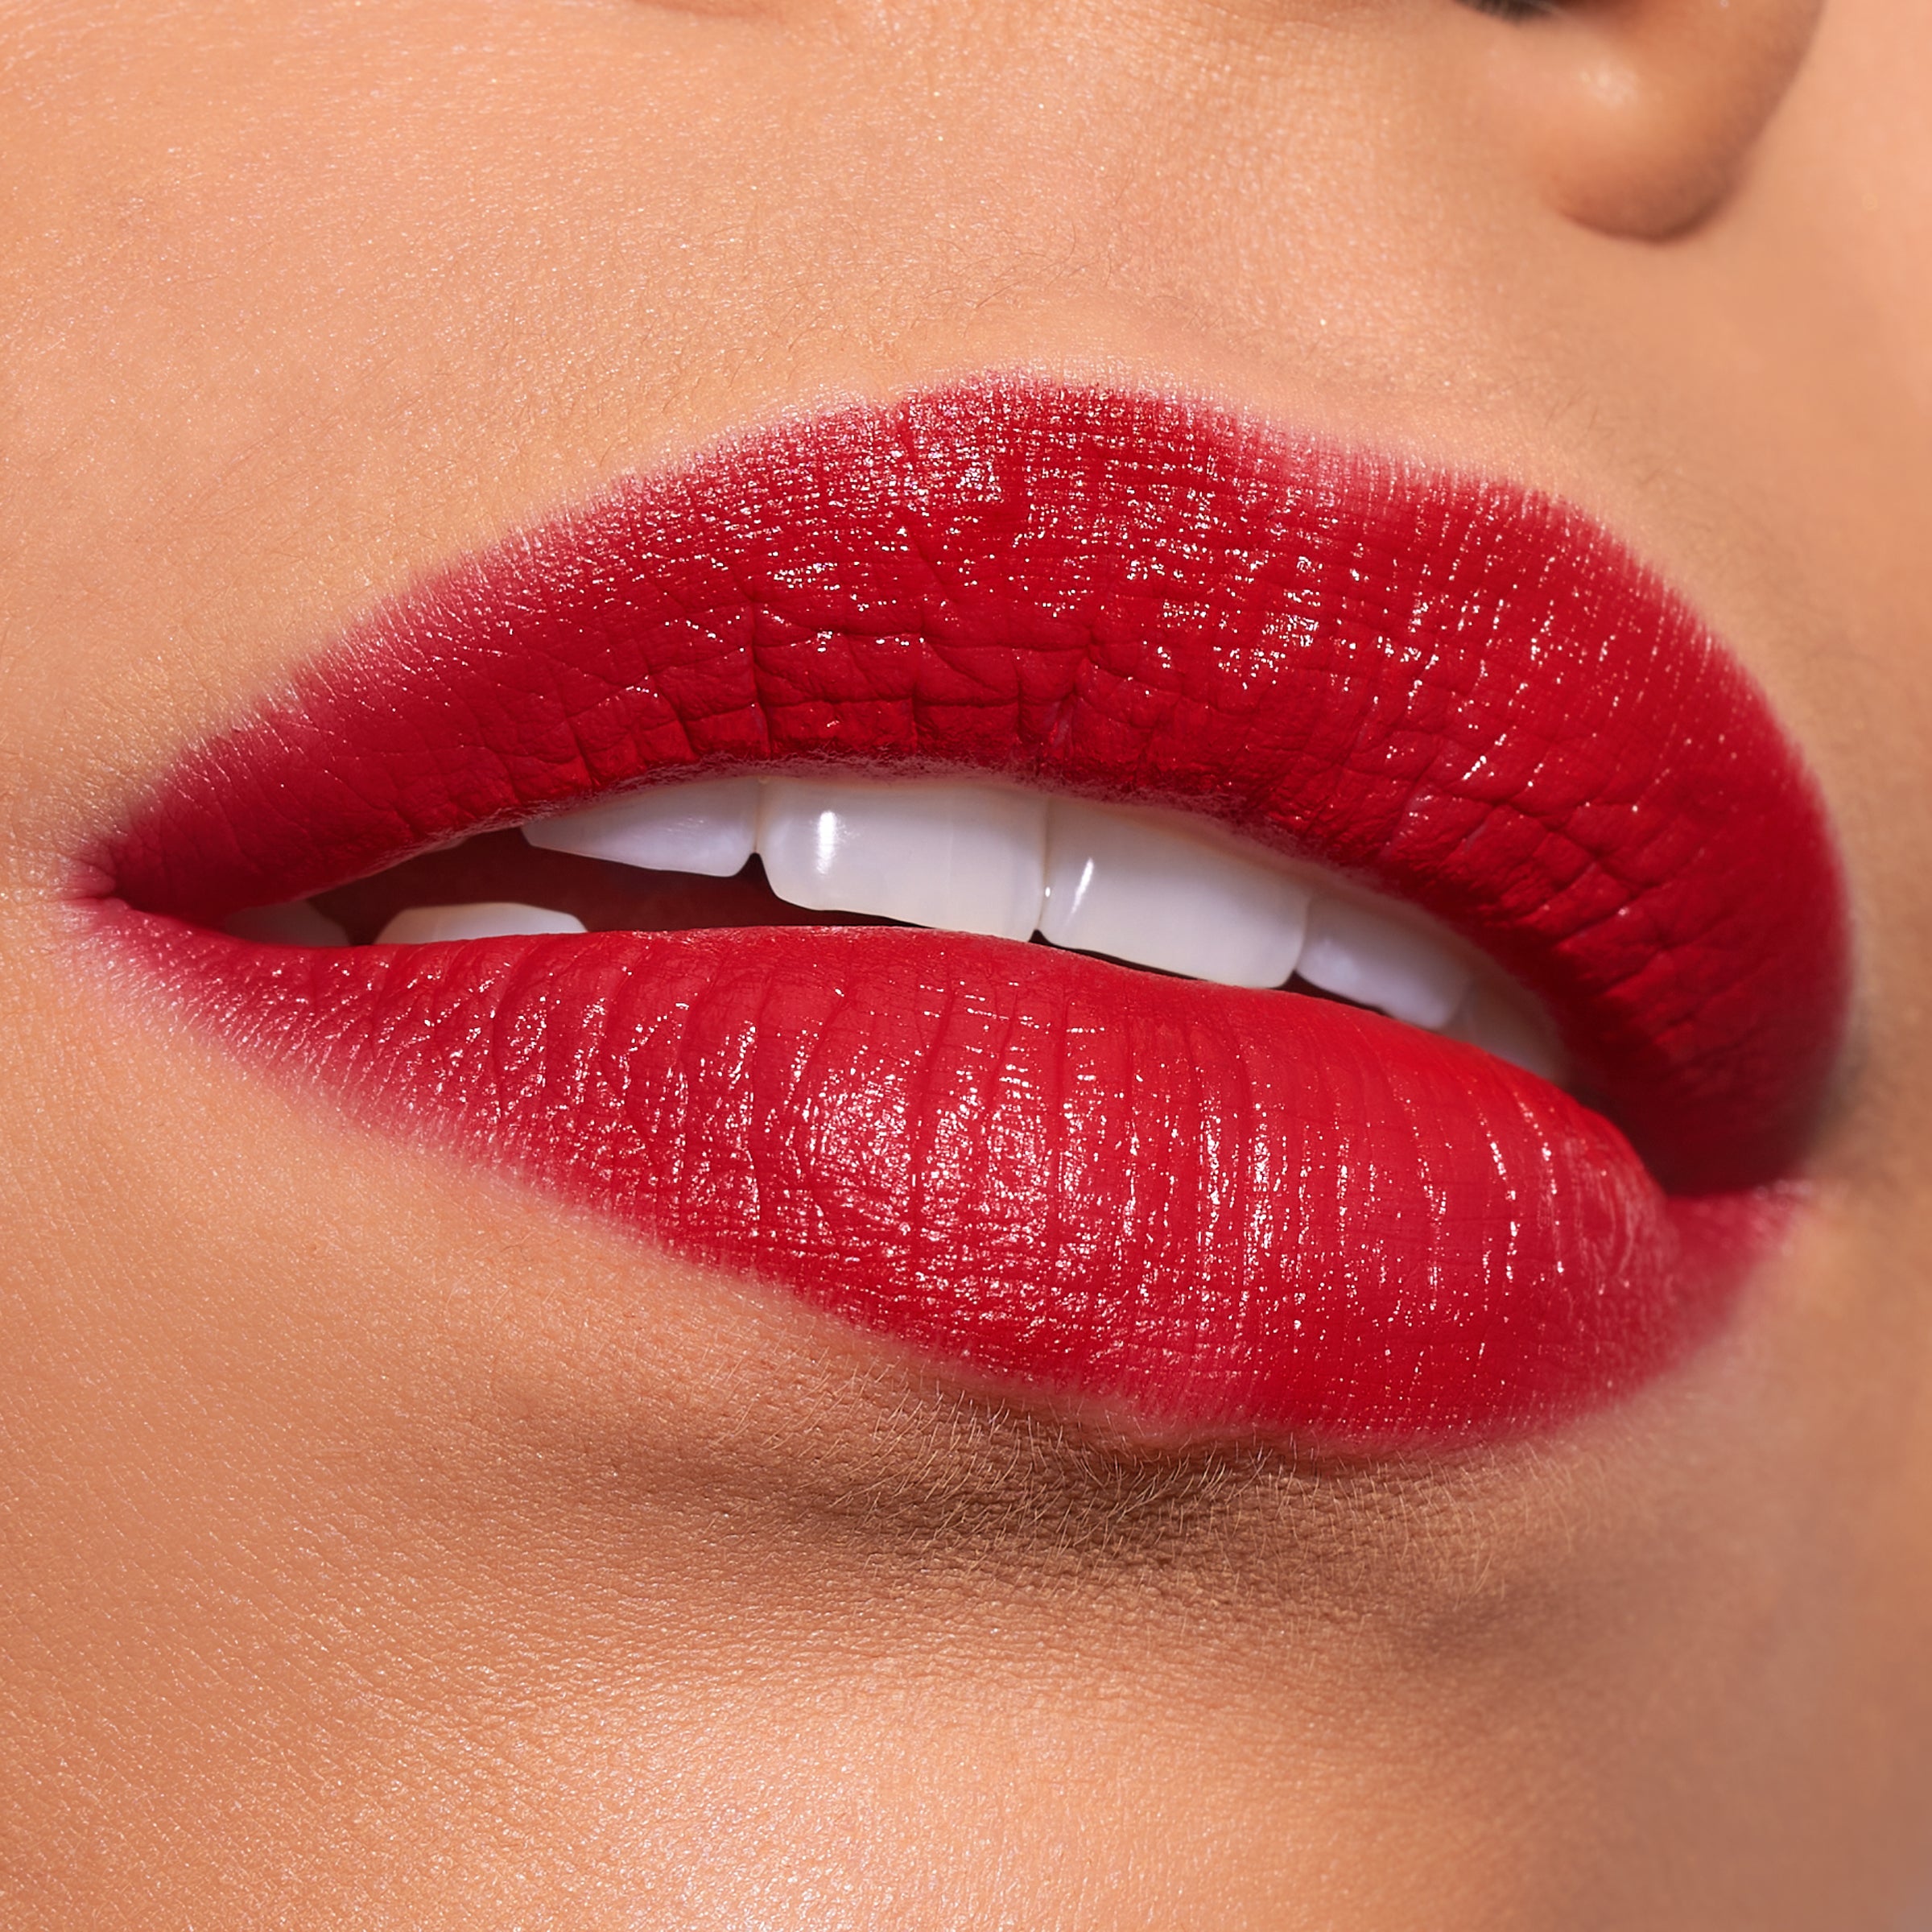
(1139, 890)
(969, 857)
(709, 827)
(485, 919)
(1383, 962)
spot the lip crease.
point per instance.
(1219, 1209)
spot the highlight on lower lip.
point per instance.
(1221, 1206)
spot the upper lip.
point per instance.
(1461, 694)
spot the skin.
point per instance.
(384, 1546)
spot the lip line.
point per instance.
(1204, 799)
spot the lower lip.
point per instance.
(1212, 1210)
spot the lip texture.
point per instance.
(1223, 1209)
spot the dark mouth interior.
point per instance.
(607, 898)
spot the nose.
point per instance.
(1635, 117)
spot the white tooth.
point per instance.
(966, 857)
(708, 828)
(298, 924)
(487, 919)
(1488, 1019)
(1382, 962)
(1139, 890)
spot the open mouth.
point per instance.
(893, 857)
(1142, 887)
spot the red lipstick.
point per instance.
(1221, 1208)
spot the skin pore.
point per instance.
(384, 1545)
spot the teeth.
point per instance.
(966, 857)
(1140, 891)
(488, 919)
(1498, 1025)
(1381, 962)
(298, 924)
(990, 859)
(709, 828)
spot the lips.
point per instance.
(1216, 1207)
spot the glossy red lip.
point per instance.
(1225, 1208)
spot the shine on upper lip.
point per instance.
(1224, 1208)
